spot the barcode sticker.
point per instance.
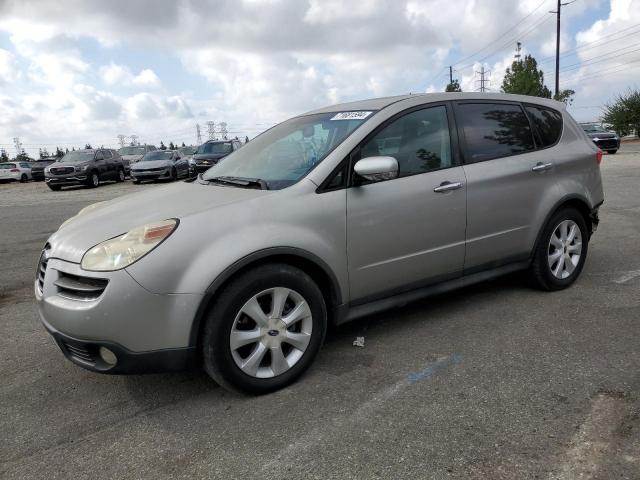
(351, 116)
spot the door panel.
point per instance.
(401, 233)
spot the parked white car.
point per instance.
(19, 171)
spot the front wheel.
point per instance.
(561, 251)
(265, 329)
(121, 175)
(94, 180)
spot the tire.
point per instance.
(612, 152)
(174, 174)
(24, 178)
(121, 176)
(566, 270)
(55, 188)
(137, 182)
(266, 282)
(94, 180)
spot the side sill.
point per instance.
(347, 314)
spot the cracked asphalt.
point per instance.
(492, 381)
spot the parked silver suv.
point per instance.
(329, 216)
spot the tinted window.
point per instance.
(494, 130)
(419, 141)
(107, 154)
(547, 125)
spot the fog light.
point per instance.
(108, 356)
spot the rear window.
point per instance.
(547, 125)
(493, 130)
(7, 166)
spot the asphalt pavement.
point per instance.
(492, 381)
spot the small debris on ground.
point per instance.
(358, 342)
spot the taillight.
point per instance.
(14, 170)
(599, 156)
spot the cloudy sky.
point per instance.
(78, 71)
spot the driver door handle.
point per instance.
(541, 167)
(447, 186)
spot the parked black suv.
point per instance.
(209, 153)
(38, 166)
(85, 167)
(604, 139)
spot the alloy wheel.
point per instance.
(565, 249)
(271, 332)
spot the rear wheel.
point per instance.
(55, 188)
(561, 251)
(265, 329)
(94, 180)
(24, 178)
(612, 152)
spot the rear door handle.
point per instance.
(541, 167)
(447, 186)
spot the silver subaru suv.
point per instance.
(324, 218)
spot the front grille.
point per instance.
(80, 352)
(75, 287)
(143, 170)
(607, 143)
(61, 170)
(42, 266)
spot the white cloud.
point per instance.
(114, 74)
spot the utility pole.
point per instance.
(450, 74)
(18, 144)
(517, 56)
(483, 79)
(198, 135)
(121, 139)
(557, 12)
(223, 130)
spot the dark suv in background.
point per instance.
(85, 167)
(604, 139)
(211, 152)
(38, 166)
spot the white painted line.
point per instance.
(628, 276)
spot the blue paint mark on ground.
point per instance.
(432, 369)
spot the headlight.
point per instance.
(122, 251)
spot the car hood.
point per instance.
(116, 217)
(151, 164)
(601, 135)
(209, 156)
(132, 158)
(67, 164)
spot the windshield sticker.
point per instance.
(351, 116)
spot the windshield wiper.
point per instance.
(241, 181)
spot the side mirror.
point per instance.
(376, 169)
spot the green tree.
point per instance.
(88, 146)
(246, 139)
(22, 157)
(171, 146)
(623, 115)
(454, 86)
(3, 156)
(60, 153)
(162, 146)
(524, 78)
(183, 144)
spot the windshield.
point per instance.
(593, 128)
(284, 154)
(157, 155)
(74, 157)
(187, 150)
(217, 147)
(131, 151)
(7, 166)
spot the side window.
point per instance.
(25, 165)
(107, 154)
(419, 141)
(493, 130)
(547, 125)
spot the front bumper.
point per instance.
(142, 175)
(70, 180)
(201, 168)
(11, 177)
(146, 331)
(607, 143)
(37, 176)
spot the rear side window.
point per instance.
(547, 125)
(493, 130)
